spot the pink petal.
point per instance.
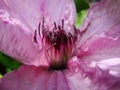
(99, 47)
(34, 78)
(104, 53)
(102, 58)
(39, 78)
(28, 12)
(32, 12)
(102, 78)
(16, 41)
(102, 16)
(59, 10)
(90, 76)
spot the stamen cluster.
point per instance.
(59, 44)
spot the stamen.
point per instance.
(59, 27)
(62, 23)
(43, 23)
(75, 33)
(44, 34)
(55, 28)
(35, 36)
(51, 46)
(59, 44)
(71, 38)
(39, 29)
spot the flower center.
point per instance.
(59, 45)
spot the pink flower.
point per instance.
(57, 56)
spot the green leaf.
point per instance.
(81, 5)
(0, 75)
(8, 62)
(80, 17)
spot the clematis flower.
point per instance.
(57, 56)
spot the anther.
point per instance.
(62, 23)
(43, 23)
(39, 29)
(35, 36)
(59, 27)
(55, 28)
(76, 32)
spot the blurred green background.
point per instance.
(8, 64)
